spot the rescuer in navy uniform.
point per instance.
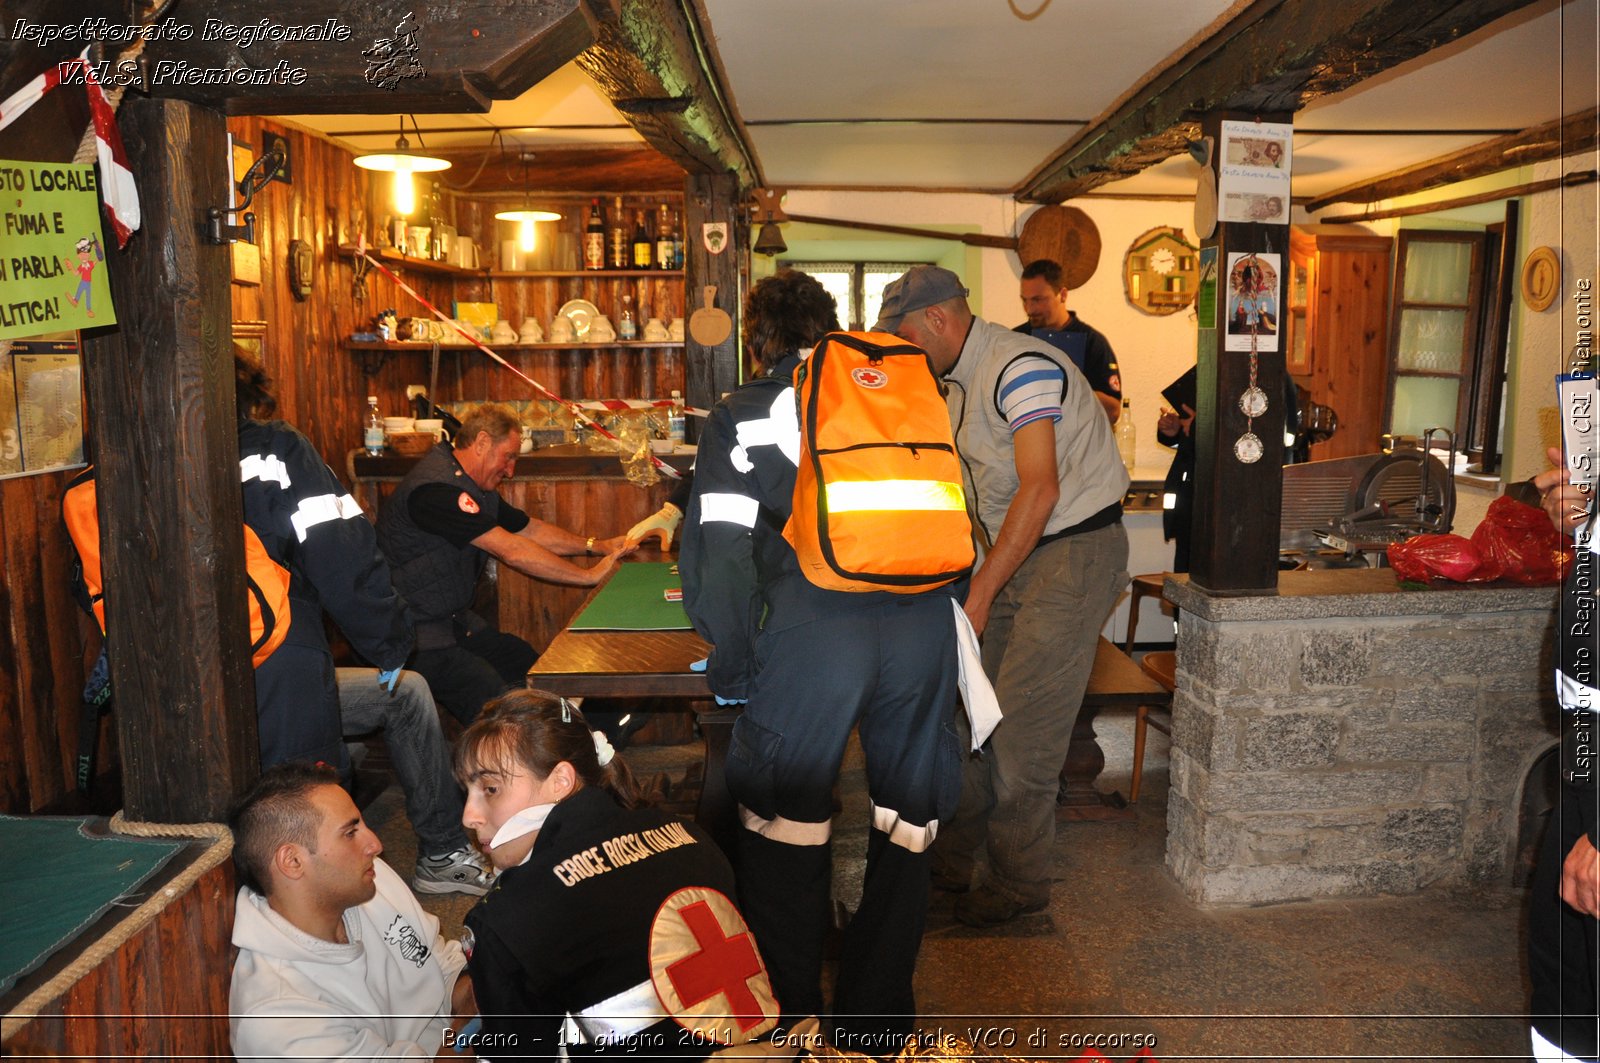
(611, 919)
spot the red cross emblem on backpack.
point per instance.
(707, 972)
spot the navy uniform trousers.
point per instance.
(891, 668)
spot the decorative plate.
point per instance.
(1541, 278)
(581, 312)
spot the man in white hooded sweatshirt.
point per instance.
(336, 958)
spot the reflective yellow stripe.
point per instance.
(857, 496)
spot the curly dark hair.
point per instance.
(252, 388)
(784, 313)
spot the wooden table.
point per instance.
(1114, 682)
(646, 664)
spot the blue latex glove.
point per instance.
(465, 1034)
(700, 666)
(389, 679)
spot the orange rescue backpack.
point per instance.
(267, 581)
(878, 499)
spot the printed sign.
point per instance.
(41, 405)
(52, 268)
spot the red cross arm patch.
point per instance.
(706, 969)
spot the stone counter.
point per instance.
(1344, 737)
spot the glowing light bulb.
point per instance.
(526, 234)
(405, 195)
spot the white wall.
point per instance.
(1151, 351)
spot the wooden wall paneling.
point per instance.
(45, 764)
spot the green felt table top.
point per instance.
(633, 600)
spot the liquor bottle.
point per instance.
(663, 240)
(372, 432)
(627, 325)
(643, 250)
(594, 239)
(1127, 436)
(677, 241)
(620, 244)
(675, 422)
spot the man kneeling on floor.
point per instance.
(336, 958)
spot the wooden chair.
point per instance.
(1139, 587)
(1162, 666)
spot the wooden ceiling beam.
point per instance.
(231, 55)
(1553, 140)
(1274, 56)
(651, 59)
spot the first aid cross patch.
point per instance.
(467, 504)
(706, 970)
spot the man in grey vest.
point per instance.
(1048, 486)
(439, 529)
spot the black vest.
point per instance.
(437, 579)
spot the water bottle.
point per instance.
(372, 435)
(675, 420)
(1127, 437)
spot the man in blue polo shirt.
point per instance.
(1044, 298)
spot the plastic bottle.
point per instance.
(675, 422)
(1127, 436)
(372, 435)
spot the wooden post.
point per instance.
(162, 414)
(1237, 505)
(710, 371)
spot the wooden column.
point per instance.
(162, 414)
(710, 371)
(1237, 505)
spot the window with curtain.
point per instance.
(1448, 336)
(856, 286)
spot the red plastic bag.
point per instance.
(1519, 542)
(1427, 557)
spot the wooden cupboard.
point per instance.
(1337, 332)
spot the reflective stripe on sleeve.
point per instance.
(857, 496)
(728, 508)
(268, 468)
(319, 509)
(621, 1016)
(908, 836)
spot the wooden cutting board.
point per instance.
(710, 325)
(1065, 234)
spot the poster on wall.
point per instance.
(41, 405)
(1252, 288)
(52, 271)
(1253, 172)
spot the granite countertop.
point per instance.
(1355, 592)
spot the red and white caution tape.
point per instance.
(117, 187)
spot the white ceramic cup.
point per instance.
(433, 426)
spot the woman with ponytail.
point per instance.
(610, 918)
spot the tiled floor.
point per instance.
(1120, 952)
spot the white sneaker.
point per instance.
(461, 871)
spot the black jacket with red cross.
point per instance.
(618, 936)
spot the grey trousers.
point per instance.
(410, 725)
(1038, 650)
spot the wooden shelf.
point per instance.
(389, 256)
(425, 345)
